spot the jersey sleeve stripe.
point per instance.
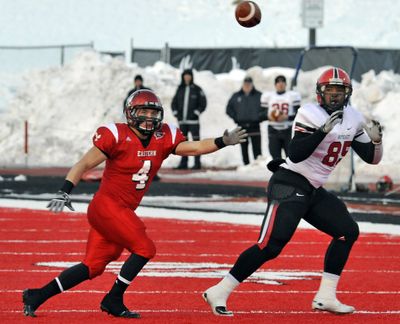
(173, 130)
(304, 128)
(359, 134)
(113, 129)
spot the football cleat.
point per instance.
(115, 306)
(332, 305)
(218, 307)
(31, 299)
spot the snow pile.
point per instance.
(65, 105)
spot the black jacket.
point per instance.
(245, 109)
(197, 103)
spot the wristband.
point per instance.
(219, 142)
(67, 187)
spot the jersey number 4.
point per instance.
(142, 175)
(336, 152)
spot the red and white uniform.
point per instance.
(130, 167)
(285, 103)
(319, 165)
(129, 170)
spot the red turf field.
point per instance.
(171, 286)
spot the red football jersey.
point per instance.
(130, 166)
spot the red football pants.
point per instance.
(114, 227)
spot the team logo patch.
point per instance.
(96, 137)
(158, 135)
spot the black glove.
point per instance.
(332, 121)
(57, 204)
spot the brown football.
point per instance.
(248, 14)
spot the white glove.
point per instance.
(374, 131)
(332, 121)
(236, 136)
(57, 204)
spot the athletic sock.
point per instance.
(129, 271)
(67, 279)
(328, 285)
(221, 291)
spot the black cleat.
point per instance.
(31, 299)
(115, 307)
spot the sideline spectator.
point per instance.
(188, 103)
(245, 110)
(281, 108)
(138, 82)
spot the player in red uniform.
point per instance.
(133, 153)
(323, 134)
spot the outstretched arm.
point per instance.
(209, 145)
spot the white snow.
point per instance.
(65, 105)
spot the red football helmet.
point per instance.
(333, 76)
(144, 99)
(385, 183)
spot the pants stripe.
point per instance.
(268, 225)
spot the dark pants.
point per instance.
(194, 130)
(278, 140)
(291, 198)
(255, 137)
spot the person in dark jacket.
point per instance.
(244, 108)
(188, 103)
(138, 82)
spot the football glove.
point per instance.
(332, 121)
(374, 131)
(57, 204)
(236, 136)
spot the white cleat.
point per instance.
(332, 305)
(218, 305)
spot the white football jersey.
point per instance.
(284, 102)
(318, 166)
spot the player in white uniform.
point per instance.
(323, 134)
(281, 106)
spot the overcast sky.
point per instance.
(112, 23)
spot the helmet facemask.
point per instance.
(144, 112)
(334, 90)
(145, 119)
(333, 100)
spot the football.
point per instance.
(248, 14)
(274, 115)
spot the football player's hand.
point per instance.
(332, 121)
(57, 204)
(236, 136)
(374, 131)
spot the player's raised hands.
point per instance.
(332, 121)
(57, 204)
(236, 136)
(374, 131)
